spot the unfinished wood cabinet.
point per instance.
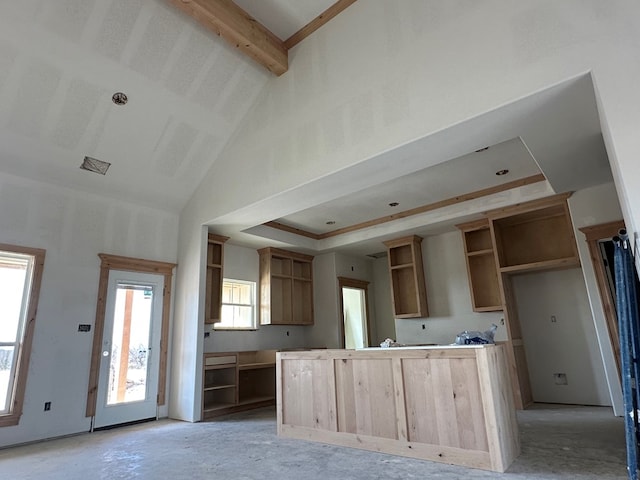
(286, 287)
(237, 381)
(408, 290)
(481, 266)
(444, 404)
(528, 237)
(213, 295)
(537, 235)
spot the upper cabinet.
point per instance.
(213, 294)
(481, 266)
(286, 287)
(537, 235)
(408, 291)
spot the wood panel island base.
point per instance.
(446, 404)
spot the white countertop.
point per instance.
(425, 347)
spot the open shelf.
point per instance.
(235, 381)
(408, 289)
(213, 294)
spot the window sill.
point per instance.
(9, 420)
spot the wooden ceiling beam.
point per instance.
(317, 22)
(240, 29)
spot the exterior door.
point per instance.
(129, 365)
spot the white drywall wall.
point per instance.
(73, 227)
(593, 206)
(565, 344)
(448, 296)
(325, 331)
(385, 323)
(380, 75)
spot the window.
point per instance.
(238, 305)
(20, 275)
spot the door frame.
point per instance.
(116, 262)
(593, 234)
(359, 284)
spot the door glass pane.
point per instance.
(6, 362)
(130, 344)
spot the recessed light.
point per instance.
(331, 222)
(502, 172)
(119, 98)
(394, 204)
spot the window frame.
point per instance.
(16, 399)
(254, 321)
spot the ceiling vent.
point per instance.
(94, 165)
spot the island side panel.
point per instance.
(458, 367)
(499, 407)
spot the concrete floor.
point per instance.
(557, 442)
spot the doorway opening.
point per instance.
(355, 324)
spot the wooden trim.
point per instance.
(294, 230)
(164, 338)
(214, 237)
(286, 253)
(241, 30)
(480, 224)
(361, 285)
(423, 451)
(413, 211)
(602, 231)
(593, 234)
(317, 22)
(353, 283)
(440, 204)
(27, 340)
(115, 262)
(523, 207)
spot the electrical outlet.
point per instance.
(560, 378)
(424, 327)
(47, 406)
(553, 319)
(502, 321)
(287, 333)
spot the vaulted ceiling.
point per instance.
(188, 90)
(62, 60)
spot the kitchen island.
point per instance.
(450, 404)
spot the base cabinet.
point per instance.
(237, 381)
(444, 404)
